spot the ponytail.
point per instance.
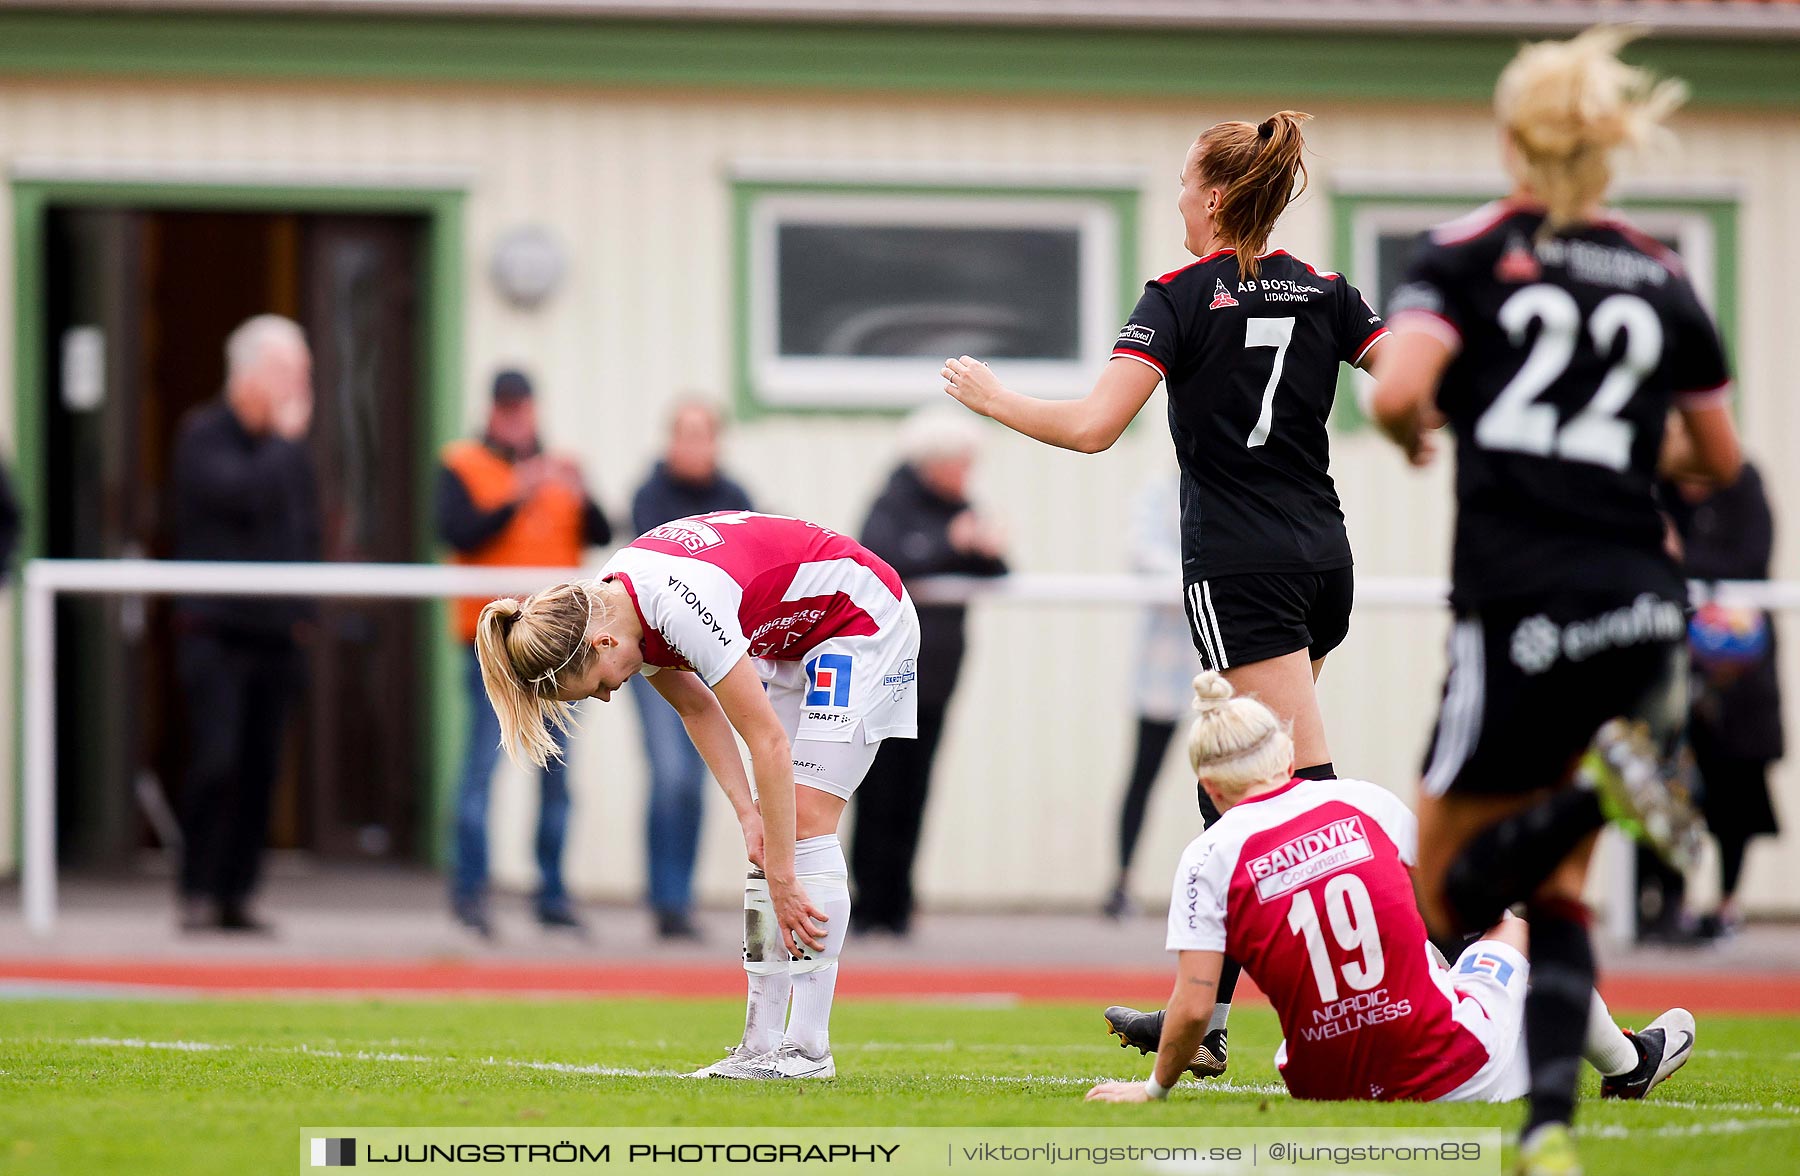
(1566, 106)
(1261, 171)
(1235, 743)
(525, 647)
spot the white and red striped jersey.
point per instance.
(1307, 887)
(712, 588)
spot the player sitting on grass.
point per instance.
(1308, 884)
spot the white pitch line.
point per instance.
(1791, 1114)
(1722, 1127)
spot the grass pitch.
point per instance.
(215, 1086)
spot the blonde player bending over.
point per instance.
(795, 637)
(1309, 884)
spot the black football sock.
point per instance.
(1324, 771)
(1209, 812)
(1229, 972)
(1510, 859)
(1556, 1007)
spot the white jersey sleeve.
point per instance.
(1202, 886)
(692, 604)
(1389, 811)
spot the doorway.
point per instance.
(137, 304)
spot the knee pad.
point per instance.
(763, 953)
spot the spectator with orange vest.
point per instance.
(503, 501)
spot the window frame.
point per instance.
(1105, 213)
(1705, 220)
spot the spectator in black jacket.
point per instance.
(243, 489)
(687, 481)
(1734, 724)
(923, 525)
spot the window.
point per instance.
(853, 298)
(1377, 234)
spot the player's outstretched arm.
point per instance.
(710, 730)
(741, 695)
(1088, 425)
(1184, 1025)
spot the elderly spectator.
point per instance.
(503, 502)
(687, 481)
(1734, 724)
(243, 489)
(923, 525)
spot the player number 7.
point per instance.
(1276, 333)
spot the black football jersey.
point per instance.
(1569, 353)
(1251, 369)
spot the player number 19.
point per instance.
(1352, 919)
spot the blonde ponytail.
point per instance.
(525, 648)
(1566, 106)
(1235, 743)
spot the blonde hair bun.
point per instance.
(1235, 743)
(1211, 691)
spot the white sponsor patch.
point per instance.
(690, 534)
(1137, 333)
(1311, 855)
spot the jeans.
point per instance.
(469, 872)
(677, 782)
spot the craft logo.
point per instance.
(1221, 296)
(691, 535)
(1518, 263)
(829, 676)
(1311, 855)
(1137, 333)
(1493, 965)
(334, 1153)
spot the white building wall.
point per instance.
(636, 186)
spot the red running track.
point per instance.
(1709, 992)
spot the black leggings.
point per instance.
(1153, 737)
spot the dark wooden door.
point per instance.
(360, 306)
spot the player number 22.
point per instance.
(1352, 919)
(1517, 423)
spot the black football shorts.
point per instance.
(1236, 620)
(1529, 684)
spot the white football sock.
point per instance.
(765, 966)
(1219, 1015)
(1608, 1047)
(825, 876)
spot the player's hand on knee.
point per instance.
(802, 923)
(1119, 1092)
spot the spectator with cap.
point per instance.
(922, 525)
(242, 488)
(686, 481)
(502, 501)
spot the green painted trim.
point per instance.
(1721, 213)
(1158, 64)
(441, 316)
(1124, 203)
